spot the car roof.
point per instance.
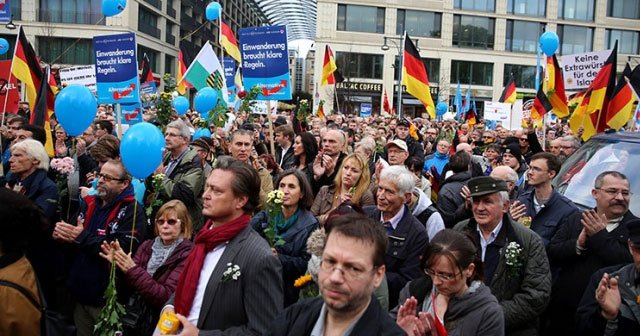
(618, 136)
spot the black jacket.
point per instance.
(300, 319)
(449, 198)
(289, 159)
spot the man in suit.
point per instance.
(407, 236)
(284, 152)
(515, 263)
(589, 241)
(355, 248)
(232, 283)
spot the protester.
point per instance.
(305, 149)
(355, 248)
(450, 296)
(329, 159)
(284, 153)
(293, 225)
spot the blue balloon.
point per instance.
(201, 133)
(181, 104)
(141, 149)
(549, 42)
(213, 11)
(4, 46)
(441, 108)
(113, 7)
(206, 99)
(75, 108)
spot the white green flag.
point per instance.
(206, 71)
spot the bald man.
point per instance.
(508, 175)
(329, 159)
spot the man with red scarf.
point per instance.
(232, 283)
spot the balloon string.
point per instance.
(74, 43)
(133, 225)
(73, 146)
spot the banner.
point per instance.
(229, 66)
(83, 75)
(580, 69)
(8, 87)
(499, 112)
(365, 109)
(147, 89)
(5, 11)
(116, 68)
(265, 61)
(131, 113)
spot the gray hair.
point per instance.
(601, 176)
(368, 144)
(181, 127)
(35, 150)
(401, 176)
(512, 176)
(575, 143)
(504, 196)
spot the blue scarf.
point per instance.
(283, 225)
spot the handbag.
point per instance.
(139, 318)
(52, 323)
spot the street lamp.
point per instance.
(400, 47)
(10, 25)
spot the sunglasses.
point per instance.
(171, 222)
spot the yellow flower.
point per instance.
(303, 280)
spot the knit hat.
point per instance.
(513, 149)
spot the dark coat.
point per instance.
(589, 320)
(157, 288)
(293, 254)
(406, 245)
(551, 217)
(324, 179)
(300, 319)
(289, 159)
(449, 198)
(523, 297)
(41, 190)
(603, 249)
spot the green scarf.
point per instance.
(283, 225)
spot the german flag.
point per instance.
(471, 115)
(541, 105)
(328, 67)
(147, 73)
(415, 78)
(44, 109)
(601, 89)
(621, 106)
(229, 42)
(555, 87)
(509, 92)
(182, 68)
(26, 67)
(321, 110)
(385, 103)
(634, 80)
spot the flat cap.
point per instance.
(485, 185)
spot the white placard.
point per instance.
(84, 75)
(580, 69)
(516, 115)
(496, 111)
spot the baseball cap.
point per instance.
(398, 143)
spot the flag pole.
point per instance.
(335, 95)
(400, 71)
(6, 95)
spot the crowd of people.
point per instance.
(404, 227)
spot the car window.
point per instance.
(578, 173)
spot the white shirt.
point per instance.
(284, 151)
(395, 220)
(210, 262)
(485, 242)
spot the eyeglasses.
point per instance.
(109, 178)
(567, 147)
(524, 139)
(442, 276)
(487, 137)
(171, 221)
(615, 192)
(171, 135)
(537, 169)
(349, 272)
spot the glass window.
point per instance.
(527, 7)
(626, 9)
(581, 10)
(574, 39)
(169, 67)
(432, 65)
(70, 11)
(477, 5)
(152, 54)
(627, 41)
(353, 65)
(523, 36)
(65, 50)
(524, 75)
(16, 10)
(365, 19)
(147, 22)
(419, 23)
(473, 32)
(476, 73)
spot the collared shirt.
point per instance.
(210, 262)
(485, 242)
(284, 151)
(318, 328)
(173, 162)
(395, 220)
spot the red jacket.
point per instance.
(157, 289)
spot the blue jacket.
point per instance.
(293, 254)
(41, 190)
(437, 160)
(89, 273)
(553, 215)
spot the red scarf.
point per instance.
(206, 240)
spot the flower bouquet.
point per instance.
(274, 207)
(63, 167)
(513, 258)
(156, 184)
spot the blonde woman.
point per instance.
(351, 184)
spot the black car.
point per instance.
(619, 151)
